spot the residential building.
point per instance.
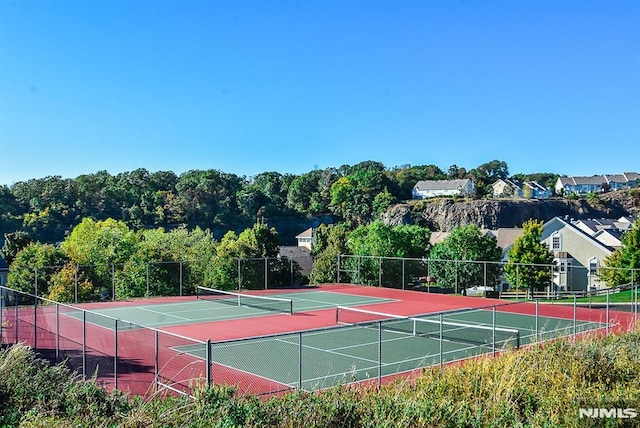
(578, 255)
(597, 183)
(430, 188)
(513, 189)
(305, 239)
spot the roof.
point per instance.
(306, 234)
(300, 255)
(442, 184)
(506, 236)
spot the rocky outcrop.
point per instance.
(446, 214)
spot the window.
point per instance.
(594, 264)
(556, 242)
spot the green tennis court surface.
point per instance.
(323, 358)
(196, 311)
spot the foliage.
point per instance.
(624, 261)
(465, 244)
(33, 265)
(13, 243)
(63, 283)
(329, 241)
(353, 195)
(381, 240)
(487, 174)
(529, 259)
(259, 241)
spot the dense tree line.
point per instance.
(48, 208)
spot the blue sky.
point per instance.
(289, 86)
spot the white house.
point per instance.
(430, 188)
(305, 239)
(4, 271)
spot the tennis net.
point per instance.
(454, 331)
(274, 304)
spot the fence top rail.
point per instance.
(415, 318)
(75, 308)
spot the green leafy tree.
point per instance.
(456, 260)
(529, 259)
(100, 247)
(34, 266)
(624, 262)
(329, 241)
(13, 243)
(257, 242)
(353, 195)
(381, 240)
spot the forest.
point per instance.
(48, 208)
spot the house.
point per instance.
(506, 189)
(430, 188)
(305, 239)
(596, 184)
(535, 190)
(299, 254)
(513, 189)
(578, 255)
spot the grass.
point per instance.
(543, 386)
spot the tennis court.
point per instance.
(370, 345)
(266, 342)
(216, 306)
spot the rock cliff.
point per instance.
(446, 214)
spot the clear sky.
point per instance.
(289, 86)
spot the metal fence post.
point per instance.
(575, 317)
(300, 360)
(35, 323)
(441, 342)
(493, 332)
(115, 353)
(147, 279)
(84, 344)
(113, 281)
(57, 333)
(15, 300)
(36, 281)
(209, 362)
(607, 314)
(404, 281)
(180, 278)
(379, 353)
(380, 272)
(537, 319)
(75, 283)
(157, 362)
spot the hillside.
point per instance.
(446, 214)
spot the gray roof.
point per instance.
(442, 184)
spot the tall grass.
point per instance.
(543, 386)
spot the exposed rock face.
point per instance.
(446, 214)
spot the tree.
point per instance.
(353, 195)
(13, 243)
(381, 240)
(257, 242)
(624, 262)
(100, 247)
(329, 241)
(457, 261)
(529, 259)
(406, 176)
(34, 266)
